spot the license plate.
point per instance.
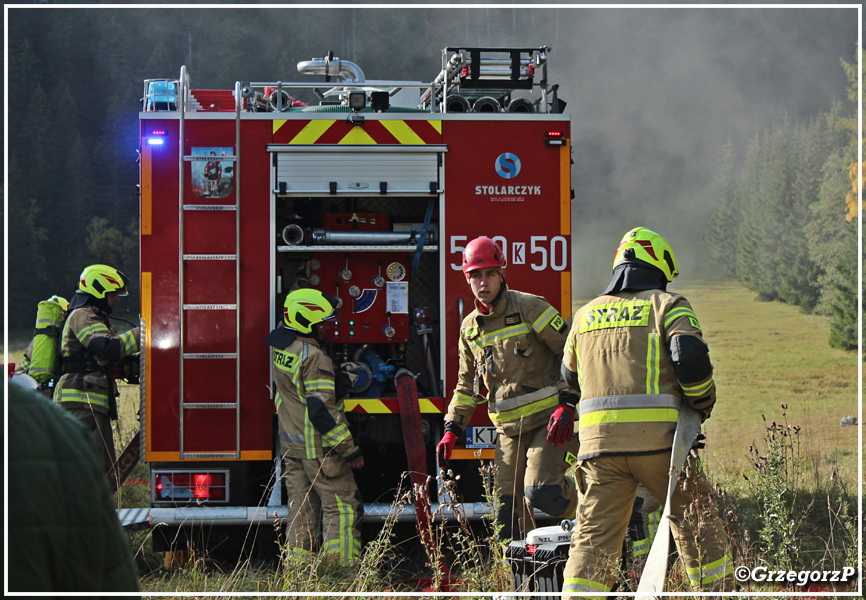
(481, 436)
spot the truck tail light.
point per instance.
(555, 138)
(190, 486)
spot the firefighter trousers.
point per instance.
(608, 485)
(99, 424)
(642, 528)
(528, 465)
(325, 508)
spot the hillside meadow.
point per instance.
(774, 372)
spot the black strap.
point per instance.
(50, 331)
(78, 364)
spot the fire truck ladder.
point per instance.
(185, 308)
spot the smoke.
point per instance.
(654, 94)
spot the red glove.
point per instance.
(445, 446)
(561, 425)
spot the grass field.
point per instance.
(764, 354)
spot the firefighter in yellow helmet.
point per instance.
(634, 354)
(318, 450)
(511, 344)
(89, 347)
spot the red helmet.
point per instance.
(480, 253)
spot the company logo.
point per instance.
(507, 165)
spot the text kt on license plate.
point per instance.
(481, 436)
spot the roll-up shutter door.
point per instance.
(332, 170)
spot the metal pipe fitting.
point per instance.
(322, 236)
(293, 234)
(332, 67)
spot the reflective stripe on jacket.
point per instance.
(514, 352)
(618, 352)
(311, 421)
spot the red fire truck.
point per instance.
(370, 195)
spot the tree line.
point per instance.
(76, 79)
(785, 216)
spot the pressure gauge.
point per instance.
(396, 271)
(346, 274)
(379, 281)
(315, 279)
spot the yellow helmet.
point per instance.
(63, 302)
(640, 245)
(98, 280)
(306, 307)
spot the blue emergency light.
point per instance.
(156, 137)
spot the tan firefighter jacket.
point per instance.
(629, 392)
(311, 420)
(88, 344)
(515, 353)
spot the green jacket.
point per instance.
(64, 535)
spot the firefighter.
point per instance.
(317, 447)
(634, 354)
(511, 344)
(213, 172)
(90, 349)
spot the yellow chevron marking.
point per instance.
(278, 123)
(357, 136)
(370, 405)
(312, 131)
(437, 125)
(427, 406)
(402, 132)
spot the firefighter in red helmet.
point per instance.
(510, 348)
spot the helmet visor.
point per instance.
(334, 304)
(124, 289)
